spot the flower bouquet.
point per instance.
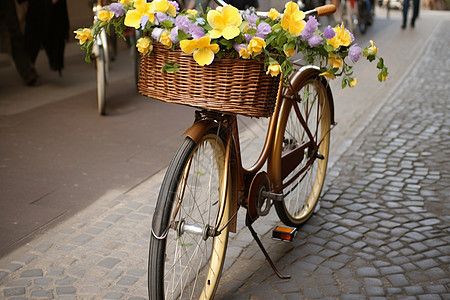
(225, 33)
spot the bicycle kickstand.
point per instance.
(248, 222)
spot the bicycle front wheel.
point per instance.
(101, 79)
(185, 257)
(303, 144)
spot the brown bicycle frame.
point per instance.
(277, 167)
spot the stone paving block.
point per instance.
(32, 273)
(398, 280)
(22, 282)
(66, 290)
(109, 262)
(47, 294)
(12, 267)
(16, 291)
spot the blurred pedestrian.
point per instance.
(47, 25)
(416, 4)
(12, 42)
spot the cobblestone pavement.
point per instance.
(382, 230)
(384, 223)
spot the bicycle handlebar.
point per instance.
(320, 11)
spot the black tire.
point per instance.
(101, 80)
(190, 195)
(301, 196)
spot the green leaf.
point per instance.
(328, 47)
(380, 64)
(227, 43)
(182, 35)
(251, 31)
(167, 24)
(170, 67)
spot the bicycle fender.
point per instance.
(305, 72)
(198, 129)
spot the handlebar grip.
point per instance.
(325, 10)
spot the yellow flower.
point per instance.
(256, 45)
(105, 15)
(274, 70)
(293, 19)
(341, 38)
(165, 7)
(273, 14)
(144, 45)
(288, 52)
(383, 77)
(134, 16)
(244, 53)
(335, 62)
(165, 39)
(127, 2)
(84, 35)
(353, 82)
(372, 50)
(225, 22)
(192, 12)
(327, 75)
(202, 49)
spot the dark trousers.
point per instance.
(8, 16)
(416, 4)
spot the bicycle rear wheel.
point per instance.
(185, 261)
(304, 156)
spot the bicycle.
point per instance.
(206, 183)
(101, 55)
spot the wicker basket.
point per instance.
(229, 85)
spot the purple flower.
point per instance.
(248, 37)
(200, 21)
(315, 40)
(263, 30)
(183, 23)
(144, 21)
(156, 33)
(161, 17)
(310, 27)
(351, 36)
(329, 33)
(354, 52)
(251, 18)
(239, 47)
(196, 31)
(175, 3)
(117, 8)
(174, 34)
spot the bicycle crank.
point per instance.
(258, 201)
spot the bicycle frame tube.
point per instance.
(240, 175)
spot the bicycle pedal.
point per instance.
(284, 233)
